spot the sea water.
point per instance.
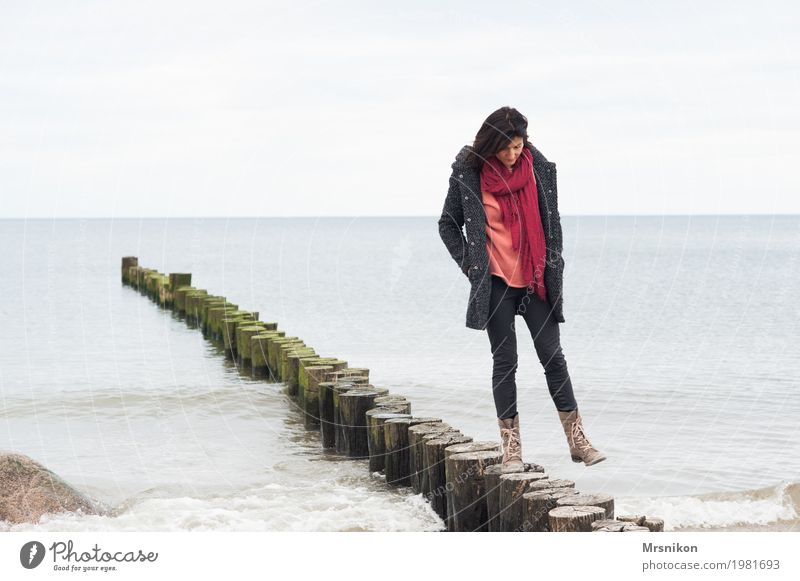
(680, 336)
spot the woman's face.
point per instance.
(509, 154)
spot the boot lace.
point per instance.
(512, 442)
(579, 438)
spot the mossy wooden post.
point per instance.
(228, 327)
(467, 447)
(536, 505)
(127, 262)
(180, 299)
(292, 366)
(435, 477)
(216, 316)
(203, 304)
(144, 282)
(304, 397)
(243, 335)
(512, 487)
(574, 519)
(150, 285)
(193, 300)
(310, 404)
(177, 280)
(215, 313)
(397, 463)
(416, 452)
(258, 351)
(273, 345)
(163, 291)
(205, 313)
(604, 501)
(467, 490)
(353, 406)
(272, 350)
(289, 365)
(376, 417)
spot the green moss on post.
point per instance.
(243, 335)
(259, 350)
(310, 403)
(272, 353)
(289, 369)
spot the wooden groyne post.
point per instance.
(461, 478)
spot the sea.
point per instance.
(681, 336)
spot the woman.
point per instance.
(504, 191)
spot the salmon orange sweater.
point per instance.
(503, 259)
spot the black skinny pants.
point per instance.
(505, 303)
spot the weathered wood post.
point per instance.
(467, 447)
(604, 501)
(393, 399)
(308, 390)
(179, 306)
(193, 300)
(127, 263)
(353, 406)
(654, 524)
(538, 503)
(327, 427)
(467, 489)
(434, 480)
(340, 387)
(494, 502)
(243, 334)
(273, 345)
(376, 445)
(569, 519)
(289, 365)
(616, 526)
(397, 461)
(291, 369)
(176, 281)
(228, 326)
(309, 404)
(417, 453)
(511, 511)
(258, 351)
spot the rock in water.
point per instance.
(28, 490)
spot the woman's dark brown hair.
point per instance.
(496, 133)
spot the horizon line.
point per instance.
(373, 216)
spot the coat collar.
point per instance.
(460, 164)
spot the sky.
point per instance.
(251, 108)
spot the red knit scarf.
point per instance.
(519, 202)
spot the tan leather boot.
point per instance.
(580, 448)
(512, 444)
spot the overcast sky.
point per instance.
(154, 108)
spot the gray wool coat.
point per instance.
(463, 206)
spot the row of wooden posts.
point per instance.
(460, 478)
